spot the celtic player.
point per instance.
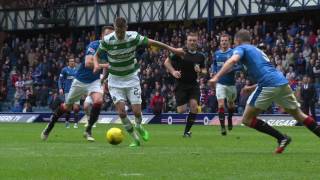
(123, 79)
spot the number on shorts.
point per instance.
(136, 91)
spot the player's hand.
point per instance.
(96, 67)
(213, 81)
(176, 74)
(197, 68)
(61, 91)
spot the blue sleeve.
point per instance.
(214, 67)
(239, 51)
(91, 49)
(61, 78)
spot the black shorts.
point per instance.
(185, 92)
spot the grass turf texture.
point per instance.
(243, 154)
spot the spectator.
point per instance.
(308, 96)
(157, 103)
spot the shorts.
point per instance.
(263, 97)
(133, 94)
(226, 92)
(88, 100)
(185, 92)
(78, 89)
(65, 99)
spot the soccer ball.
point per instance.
(114, 136)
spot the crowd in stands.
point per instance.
(7, 4)
(33, 64)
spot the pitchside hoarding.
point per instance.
(166, 118)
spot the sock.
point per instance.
(68, 116)
(94, 115)
(264, 127)
(310, 123)
(190, 120)
(76, 115)
(221, 117)
(129, 128)
(54, 118)
(138, 121)
(230, 114)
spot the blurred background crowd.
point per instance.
(31, 62)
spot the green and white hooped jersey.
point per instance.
(123, 66)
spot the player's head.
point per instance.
(242, 36)
(105, 30)
(305, 79)
(71, 62)
(192, 41)
(120, 27)
(224, 41)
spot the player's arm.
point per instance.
(104, 75)
(61, 81)
(89, 61)
(170, 68)
(96, 57)
(227, 67)
(143, 40)
(249, 89)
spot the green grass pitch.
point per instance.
(243, 154)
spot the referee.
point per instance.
(186, 69)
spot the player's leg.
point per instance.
(289, 103)
(68, 113)
(193, 104)
(134, 96)
(74, 95)
(259, 100)
(94, 114)
(119, 97)
(182, 100)
(221, 96)
(76, 109)
(231, 97)
(87, 106)
(54, 118)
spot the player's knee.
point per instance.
(250, 122)
(76, 109)
(97, 105)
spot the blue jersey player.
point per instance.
(225, 88)
(85, 83)
(66, 77)
(272, 86)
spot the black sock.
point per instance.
(76, 117)
(190, 120)
(54, 118)
(221, 117)
(230, 114)
(94, 115)
(264, 127)
(310, 123)
(68, 116)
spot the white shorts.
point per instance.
(262, 97)
(133, 94)
(226, 92)
(66, 96)
(78, 89)
(88, 100)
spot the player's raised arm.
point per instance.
(178, 51)
(227, 67)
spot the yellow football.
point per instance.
(114, 136)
